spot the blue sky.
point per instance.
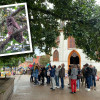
(38, 53)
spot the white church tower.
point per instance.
(68, 54)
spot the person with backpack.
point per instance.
(52, 74)
(74, 73)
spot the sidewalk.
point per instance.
(24, 90)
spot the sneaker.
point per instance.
(88, 90)
(72, 92)
(58, 87)
(51, 88)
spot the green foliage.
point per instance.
(83, 23)
(11, 61)
(44, 60)
(84, 27)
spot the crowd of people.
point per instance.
(52, 74)
(55, 75)
(86, 75)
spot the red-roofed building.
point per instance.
(36, 60)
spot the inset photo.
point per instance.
(15, 35)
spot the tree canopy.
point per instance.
(44, 60)
(11, 61)
(82, 22)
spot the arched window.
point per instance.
(71, 42)
(55, 56)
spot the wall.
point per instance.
(6, 89)
(64, 53)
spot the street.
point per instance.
(24, 90)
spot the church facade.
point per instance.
(68, 54)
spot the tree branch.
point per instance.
(47, 12)
(11, 37)
(13, 14)
(17, 11)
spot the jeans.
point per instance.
(52, 82)
(93, 81)
(42, 79)
(36, 81)
(69, 81)
(48, 79)
(62, 82)
(31, 78)
(78, 83)
(39, 77)
(88, 81)
(57, 80)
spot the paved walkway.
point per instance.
(24, 90)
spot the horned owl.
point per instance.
(11, 25)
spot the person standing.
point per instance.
(91, 67)
(69, 75)
(52, 74)
(31, 78)
(48, 74)
(36, 75)
(94, 73)
(83, 78)
(78, 77)
(39, 75)
(57, 76)
(42, 74)
(62, 75)
(74, 73)
(88, 74)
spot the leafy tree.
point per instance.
(11, 61)
(44, 59)
(84, 27)
(82, 17)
